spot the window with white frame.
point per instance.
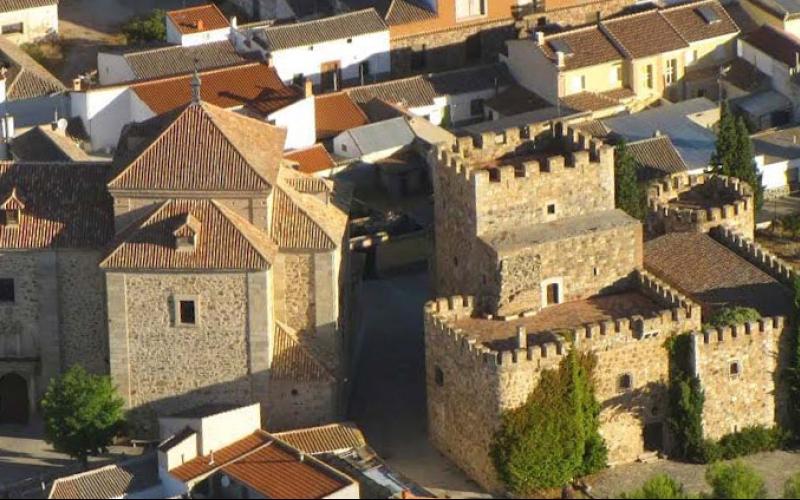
(671, 72)
(470, 8)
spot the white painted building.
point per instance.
(197, 25)
(375, 141)
(329, 51)
(778, 159)
(24, 21)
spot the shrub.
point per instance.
(729, 316)
(735, 480)
(554, 436)
(82, 413)
(147, 28)
(791, 489)
(661, 486)
(686, 401)
(751, 440)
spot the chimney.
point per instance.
(201, 26)
(211, 458)
(309, 87)
(522, 337)
(560, 56)
(77, 84)
(234, 22)
(657, 133)
(539, 37)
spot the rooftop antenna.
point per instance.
(196, 84)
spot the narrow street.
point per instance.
(389, 398)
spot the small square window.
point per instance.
(11, 218)
(349, 40)
(625, 382)
(187, 310)
(735, 369)
(7, 294)
(551, 209)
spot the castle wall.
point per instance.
(738, 215)
(298, 404)
(739, 368)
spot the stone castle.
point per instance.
(532, 259)
(196, 269)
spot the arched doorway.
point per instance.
(14, 402)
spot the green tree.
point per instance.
(686, 401)
(743, 163)
(660, 486)
(729, 316)
(554, 437)
(147, 28)
(725, 152)
(791, 488)
(735, 480)
(630, 195)
(82, 413)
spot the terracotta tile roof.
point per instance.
(588, 101)
(26, 78)
(43, 144)
(198, 19)
(312, 160)
(180, 60)
(408, 11)
(700, 267)
(111, 481)
(336, 113)
(198, 148)
(692, 27)
(66, 205)
(657, 156)
(343, 26)
(515, 100)
(279, 471)
(12, 5)
(255, 86)
(741, 17)
(297, 224)
(645, 34)
(776, 43)
(294, 362)
(332, 438)
(226, 240)
(200, 466)
(590, 47)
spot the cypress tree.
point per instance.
(744, 166)
(723, 157)
(629, 194)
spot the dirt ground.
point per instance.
(783, 246)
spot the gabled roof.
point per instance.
(657, 156)
(690, 23)
(645, 34)
(335, 113)
(396, 12)
(66, 205)
(227, 240)
(589, 46)
(26, 78)
(293, 362)
(199, 147)
(341, 27)
(778, 44)
(14, 5)
(255, 86)
(42, 143)
(382, 136)
(198, 19)
(180, 60)
(111, 481)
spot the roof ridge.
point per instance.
(320, 20)
(692, 3)
(116, 243)
(579, 29)
(680, 35)
(161, 79)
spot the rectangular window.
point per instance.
(470, 8)
(671, 72)
(419, 57)
(648, 76)
(439, 377)
(187, 312)
(11, 218)
(8, 29)
(7, 290)
(551, 209)
(476, 107)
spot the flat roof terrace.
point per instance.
(702, 197)
(542, 328)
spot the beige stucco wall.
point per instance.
(39, 22)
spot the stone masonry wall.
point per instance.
(174, 368)
(478, 384)
(558, 12)
(298, 404)
(448, 49)
(664, 217)
(83, 311)
(739, 369)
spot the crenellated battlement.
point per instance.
(756, 254)
(764, 326)
(680, 314)
(683, 203)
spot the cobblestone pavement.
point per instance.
(775, 468)
(389, 399)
